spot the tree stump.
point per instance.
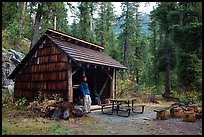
(189, 116)
(176, 112)
(161, 114)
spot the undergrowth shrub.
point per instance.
(5, 131)
(21, 103)
(7, 100)
(124, 87)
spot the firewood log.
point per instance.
(176, 112)
(189, 116)
(161, 114)
(193, 108)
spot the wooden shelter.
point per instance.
(56, 64)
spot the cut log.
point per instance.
(161, 114)
(189, 116)
(176, 112)
(193, 108)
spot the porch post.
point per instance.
(112, 86)
(70, 89)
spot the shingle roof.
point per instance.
(77, 49)
(86, 55)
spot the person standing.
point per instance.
(86, 94)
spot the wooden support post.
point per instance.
(70, 89)
(104, 85)
(112, 86)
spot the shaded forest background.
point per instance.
(165, 60)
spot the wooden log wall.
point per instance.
(46, 71)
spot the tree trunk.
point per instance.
(91, 25)
(168, 82)
(137, 75)
(22, 16)
(36, 26)
(126, 37)
(55, 22)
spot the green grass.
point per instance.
(21, 125)
(60, 130)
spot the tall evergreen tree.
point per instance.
(130, 25)
(187, 34)
(46, 11)
(104, 26)
(161, 13)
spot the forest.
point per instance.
(166, 60)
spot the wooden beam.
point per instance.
(76, 42)
(112, 85)
(108, 74)
(92, 44)
(104, 85)
(75, 71)
(70, 89)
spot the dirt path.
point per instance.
(147, 124)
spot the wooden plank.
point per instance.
(75, 71)
(108, 74)
(70, 89)
(104, 85)
(112, 87)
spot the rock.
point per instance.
(66, 114)
(4, 57)
(145, 118)
(78, 112)
(15, 54)
(11, 89)
(58, 113)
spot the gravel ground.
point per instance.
(147, 124)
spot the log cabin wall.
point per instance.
(46, 71)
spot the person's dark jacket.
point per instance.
(84, 88)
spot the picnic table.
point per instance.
(122, 105)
